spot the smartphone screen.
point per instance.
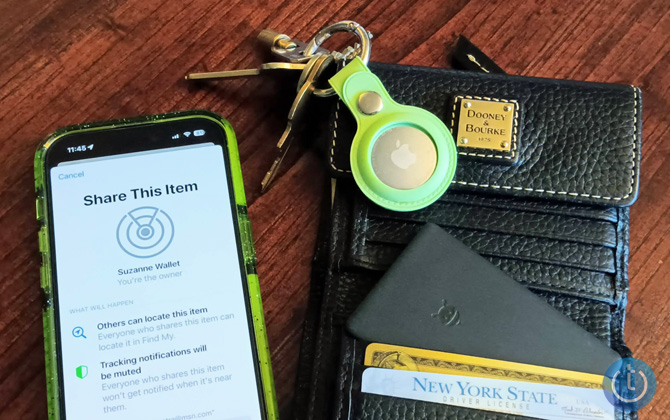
(152, 316)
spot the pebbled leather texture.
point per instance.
(365, 239)
(579, 141)
(570, 249)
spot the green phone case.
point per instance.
(245, 236)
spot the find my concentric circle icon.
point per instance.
(145, 232)
(629, 384)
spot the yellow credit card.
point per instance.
(388, 356)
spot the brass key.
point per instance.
(286, 48)
(314, 68)
(232, 74)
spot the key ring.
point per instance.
(363, 51)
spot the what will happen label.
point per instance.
(543, 401)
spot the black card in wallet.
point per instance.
(549, 209)
(440, 295)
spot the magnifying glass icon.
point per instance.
(78, 332)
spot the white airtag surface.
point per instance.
(404, 157)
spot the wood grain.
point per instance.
(70, 61)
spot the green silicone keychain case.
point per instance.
(243, 233)
(351, 83)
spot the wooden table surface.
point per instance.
(71, 61)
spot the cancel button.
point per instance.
(71, 175)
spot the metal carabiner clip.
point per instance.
(362, 49)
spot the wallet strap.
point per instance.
(466, 56)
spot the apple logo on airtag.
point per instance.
(404, 157)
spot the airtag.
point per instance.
(402, 157)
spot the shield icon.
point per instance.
(81, 371)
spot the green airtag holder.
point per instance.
(376, 113)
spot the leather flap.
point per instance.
(578, 141)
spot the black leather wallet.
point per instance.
(550, 211)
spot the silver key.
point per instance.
(233, 74)
(314, 68)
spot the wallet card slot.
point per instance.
(580, 263)
(557, 227)
(607, 214)
(571, 281)
(540, 250)
(555, 278)
(381, 407)
(595, 318)
(353, 404)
